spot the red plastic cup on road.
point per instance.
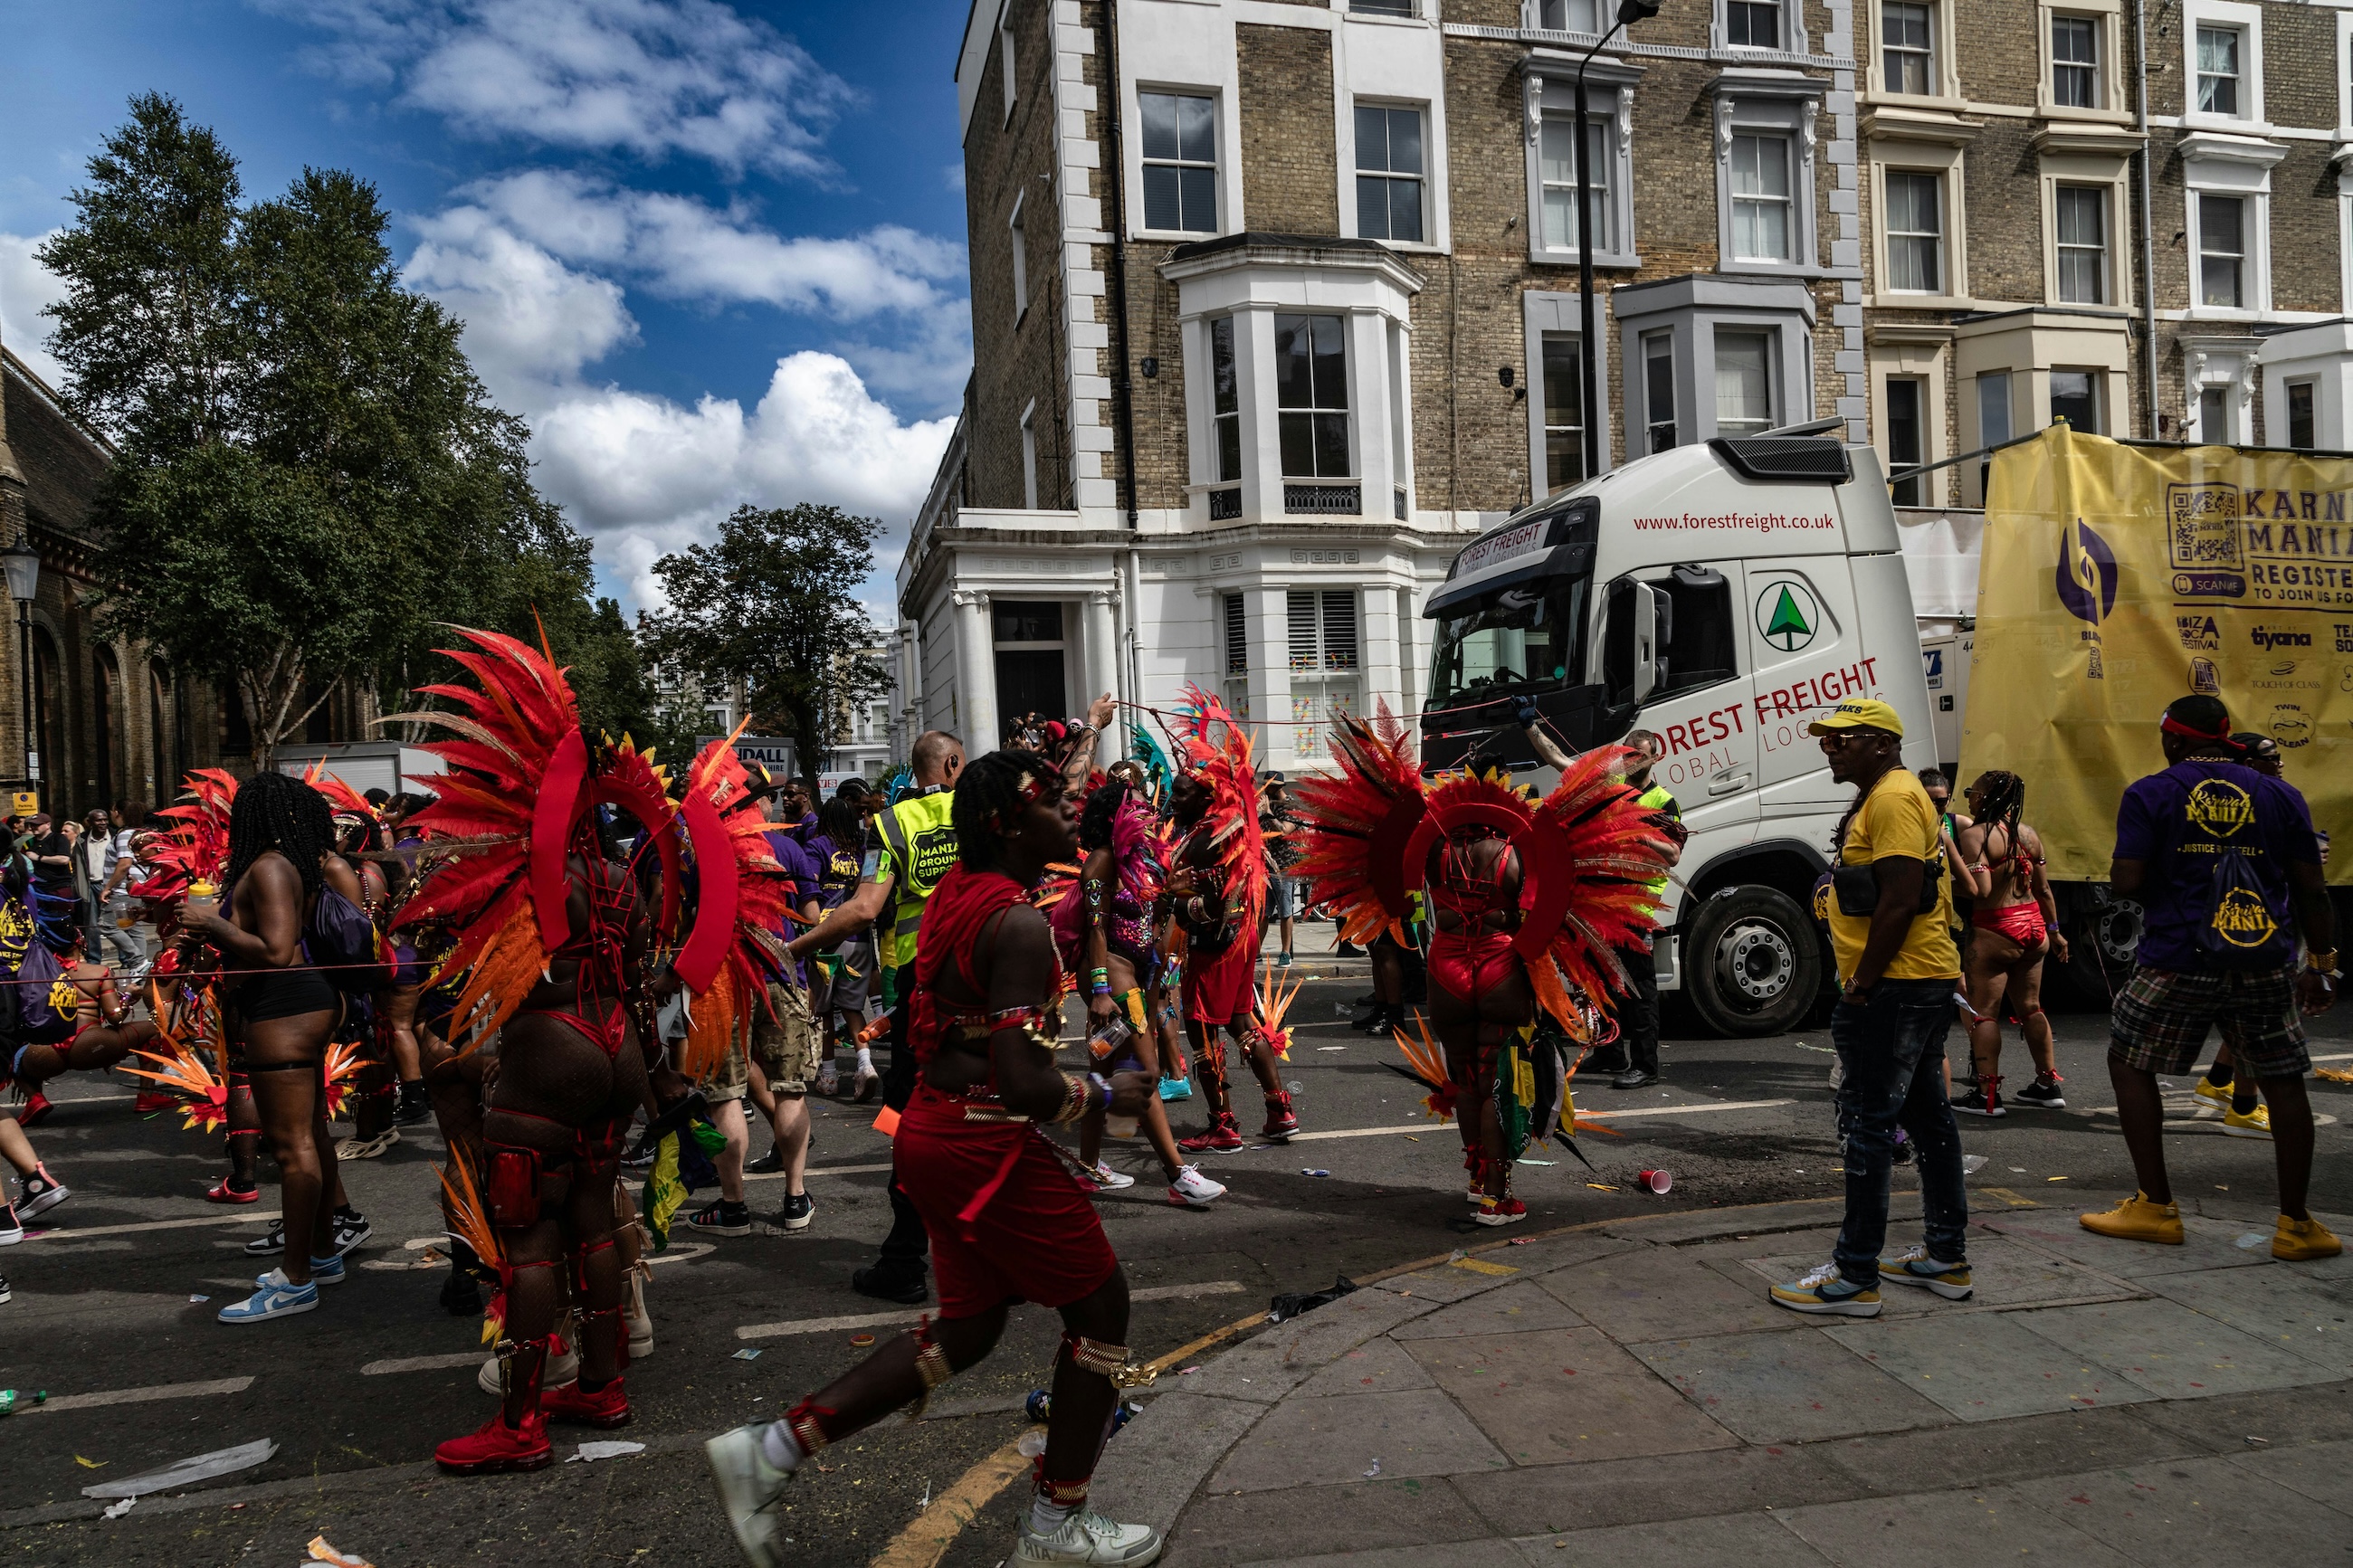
(1653, 1181)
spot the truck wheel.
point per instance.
(2104, 940)
(1752, 964)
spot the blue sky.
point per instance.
(712, 252)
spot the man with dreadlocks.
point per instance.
(279, 1011)
(1009, 1221)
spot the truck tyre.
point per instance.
(1752, 962)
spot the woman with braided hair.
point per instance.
(1008, 1219)
(279, 1011)
(2016, 921)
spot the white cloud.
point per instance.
(646, 475)
(26, 286)
(688, 249)
(529, 320)
(648, 76)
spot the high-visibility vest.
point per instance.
(1656, 798)
(919, 845)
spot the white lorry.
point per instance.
(1722, 596)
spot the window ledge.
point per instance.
(1378, 19)
(2225, 125)
(2064, 137)
(1890, 299)
(2049, 111)
(1772, 268)
(1617, 258)
(1933, 102)
(2215, 147)
(1904, 122)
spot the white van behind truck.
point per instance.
(1722, 596)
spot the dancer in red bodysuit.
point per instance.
(1009, 1220)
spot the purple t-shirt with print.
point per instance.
(2217, 838)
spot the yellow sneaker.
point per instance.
(2300, 1240)
(2220, 1093)
(2255, 1123)
(2138, 1219)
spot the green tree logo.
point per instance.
(1787, 615)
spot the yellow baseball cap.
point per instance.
(1858, 714)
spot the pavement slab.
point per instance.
(2170, 1351)
(1376, 1366)
(1455, 1555)
(2197, 1513)
(1648, 1491)
(2318, 1471)
(1516, 1307)
(1983, 1366)
(1443, 1282)
(1550, 1395)
(2278, 1417)
(1789, 1388)
(1320, 1442)
(2005, 1272)
(1934, 1529)
(2207, 1243)
(1164, 1452)
(2025, 1448)
(2312, 1318)
(1288, 1353)
(1662, 1293)
(1354, 1516)
(1730, 1540)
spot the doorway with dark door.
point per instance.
(1031, 666)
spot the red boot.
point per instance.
(1280, 1122)
(36, 1105)
(498, 1446)
(608, 1406)
(151, 1101)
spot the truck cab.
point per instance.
(1721, 597)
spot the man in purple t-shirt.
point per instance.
(2226, 868)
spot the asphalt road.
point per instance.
(103, 1305)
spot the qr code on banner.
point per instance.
(2203, 524)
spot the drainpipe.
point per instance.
(1123, 390)
(2147, 219)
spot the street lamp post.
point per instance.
(22, 565)
(1590, 379)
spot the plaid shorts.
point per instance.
(2162, 1018)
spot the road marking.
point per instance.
(71, 1234)
(423, 1363)
(140, 1395)
(878, 1320)
(923, 1544)
(816, 1170)
(1422, 1126)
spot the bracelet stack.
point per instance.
(1099, 981)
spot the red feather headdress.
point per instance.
(727, 966)
(195, 847)
(1213, 747)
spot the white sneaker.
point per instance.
(1091, 1538)
(559, 1371)
(637, 1320)
(1193, 1190)
(1110, 1181)
(748, 1488)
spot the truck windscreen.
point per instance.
(1527, 637)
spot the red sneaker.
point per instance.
(498, 1446)
(1280, 1122)
(151, 1101)
(1222, 1137)
(608, 1406)
(220, 1192)
(1501, 1211)
(36, 1105)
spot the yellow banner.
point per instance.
(2117, 578)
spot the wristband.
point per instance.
(1103, 1087)
(2325, 962)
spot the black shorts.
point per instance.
(286, 993)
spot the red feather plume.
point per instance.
(194, 847)
(745, 901)
(1359, 822)
(1213, 744)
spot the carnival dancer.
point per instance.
(1531, 900)
(552, 939)
(280, 1011)
(1009, 1221)
(1217, 892)
(2016, 927)
(1102, 929)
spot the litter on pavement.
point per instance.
(119, 1509)
(322, 1552)
(187, 1472)
(605, 1451)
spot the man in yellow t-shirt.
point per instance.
(1889, 902)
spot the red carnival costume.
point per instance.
(533, 889)
(1530, 899)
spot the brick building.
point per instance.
(1275, 302)
(109, 723)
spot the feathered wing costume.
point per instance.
(728, 968)
(1217, 749)
(517, 801)
(1588, 853)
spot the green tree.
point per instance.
(310, 476)
(769, 606)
